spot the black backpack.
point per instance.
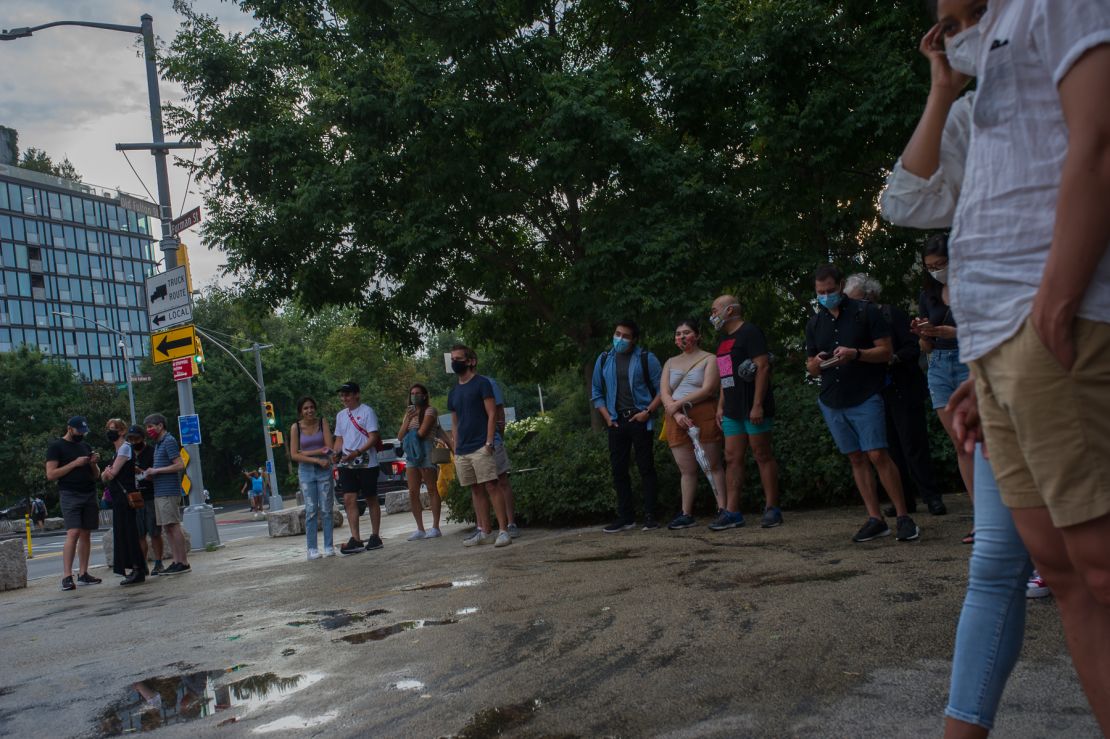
(604, 357)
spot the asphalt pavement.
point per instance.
(792, 631)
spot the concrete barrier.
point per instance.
(398, 501)
(13, 564)
(290, 521)
(53, 524)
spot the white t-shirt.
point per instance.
(353, 438)
(1004, 221)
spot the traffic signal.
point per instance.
(198, 358)
(271, 420)
(276, 439)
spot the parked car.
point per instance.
(15, 512)
(391, 473)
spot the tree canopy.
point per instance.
(540, 168)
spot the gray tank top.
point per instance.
(694, 379)
(311, 441)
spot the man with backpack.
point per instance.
(625, 391)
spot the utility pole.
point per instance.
(275, 494)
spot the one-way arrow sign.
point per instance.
(173, 344)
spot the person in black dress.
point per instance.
(120, 477)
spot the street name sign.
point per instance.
(185, 221)
(173, 344)
(168, 302)
(190, 429)
(183, 368)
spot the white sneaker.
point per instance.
(313, 554)
(477, 538)
(503, 539)
(416, 535)
(432, 533)
(329, 551)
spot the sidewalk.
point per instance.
(791, 631)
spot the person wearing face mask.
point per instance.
(120, 478)
(143, 455)
(624, 389)
(745, 411)
(688, 388)
(166, 475)
(310, 445)
(848, 344)
(72, 463)
(417, 432)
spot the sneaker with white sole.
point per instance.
(1036, 587)
(329, 551)
(432, 533)
(477, 538)
(503, 539)
(416, 535)
(313, 554)
(514, 532)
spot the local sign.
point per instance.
(173, 344)
(168, 302)
(185, 221)
(183, 368)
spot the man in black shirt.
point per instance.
(848, 345)
(72, 463)
(904, 398)
(147, 521)
(745, 411)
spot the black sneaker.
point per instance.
(67, 583)
(907, 529)
(353, 546)
(681, 521)
(772, 517)
(374, 542)
(88, 579)
(619, 525)
(650, 524)
(177, 568)
(936, 506)
(158, 569)
(875, 528)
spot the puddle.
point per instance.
(407, 685)
(288, 652)
(493, 722)
(387, 631)
(162, 701)
(336, 619)
(606, 557)
(469, 611)
(468, 583)
(296, 722)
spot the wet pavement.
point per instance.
(791, 631)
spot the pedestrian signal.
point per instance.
(276, 439)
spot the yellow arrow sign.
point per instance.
(186, 483)
(173, 344)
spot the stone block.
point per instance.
(290, 521)
(167, 554)
(13, 564)
(53, 524)
(398, 501)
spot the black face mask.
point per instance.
(137, 445)
(459, 368)
(78, 437)
(112, 435)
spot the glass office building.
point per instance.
(72, 248)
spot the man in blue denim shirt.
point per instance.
(625, 391)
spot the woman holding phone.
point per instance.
(120, 478)
(310, 444)
(417, 433)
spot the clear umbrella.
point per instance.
(700, 455)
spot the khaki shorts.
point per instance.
(167, 509)
(475, 468)
(501, 459)
(1048, 430)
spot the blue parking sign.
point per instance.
(190, 429)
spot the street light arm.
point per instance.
(89, 320)
(10, 34)
(228, 351)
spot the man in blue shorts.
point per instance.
(848, 344)
(745, 411)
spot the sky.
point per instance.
(77, 92)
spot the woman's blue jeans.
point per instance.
(316, 491)
(992, 623)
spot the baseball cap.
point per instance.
(79, 424)
(348, 387)
(135, 430)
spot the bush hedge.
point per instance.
(561, 467)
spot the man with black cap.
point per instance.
(72, 463)
(356, 441)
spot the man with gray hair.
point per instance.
(904, 398)
(166, 474)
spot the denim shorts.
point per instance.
(736, 427)
(859, 428)
(946, 373)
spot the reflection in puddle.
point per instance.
(288, 723)
(336, 619)
(470, 611)
(407, 685)
(161, 701)
(387, 631)
(467, 583)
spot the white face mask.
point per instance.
(941, 275)
(963, 50)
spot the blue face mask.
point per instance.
(830, 300)
(621, 345)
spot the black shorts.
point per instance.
(79, 510)
(362, 481)
(147, 520)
